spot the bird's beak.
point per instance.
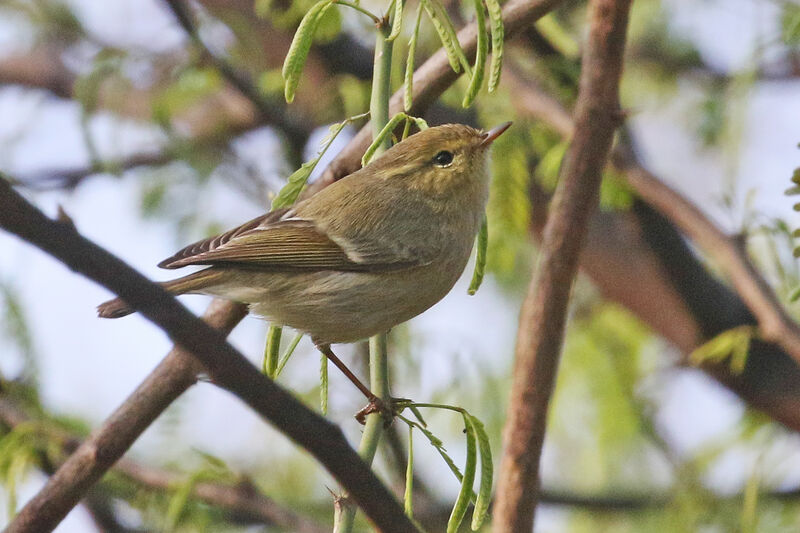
(494, 133)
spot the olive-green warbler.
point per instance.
(364, 254)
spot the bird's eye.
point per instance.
(443, 158)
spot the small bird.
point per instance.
(364, 254)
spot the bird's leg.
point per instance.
(375, 405)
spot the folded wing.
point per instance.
(278, 241)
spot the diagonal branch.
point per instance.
(543, 313)
(226, 366)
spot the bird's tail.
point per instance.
(194, 282)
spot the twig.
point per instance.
(68, 178)
(544, 309)
(242, 499)
(226, 366)
(378, 356)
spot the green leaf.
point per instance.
(408, 497)
(482, 49)
(301, 44)
(795, 294)
(447, 34)
(397, 20)
(323, 384)
(272, 351)
(498, 36)
(487, 471)
(295, 183)
(408, 81)
(289, 351)
(386, 131)
(790, 24)
(464, 495)
(177, 503)
(733, 343)
(482, 244)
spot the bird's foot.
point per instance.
(376, 405)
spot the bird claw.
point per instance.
(376, 405)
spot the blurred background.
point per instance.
(110, 110)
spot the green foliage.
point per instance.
(297, 181)
(481, 52)
(408, 95)
(477, 443)
(481, 245)
(498, 40)
(192, 85)
(387, 130)
(790, 23)
(447, 35)
(16, 328)
(733, 344)
(408, 493)
(509, 206)
(301, 44)
(323, 384)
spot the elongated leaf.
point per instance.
(323, 384)
(408, 82)
(482, 49)
(377, 141)
(462, 502)
(498, 36)
(408, 497)
(288, 354)
(487, 471)
(272, 351)
(295, 183)
(397, 20)
(301, 44)
(480, 257)
(447, 34)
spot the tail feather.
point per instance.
(117, 308)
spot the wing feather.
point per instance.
(278, 241)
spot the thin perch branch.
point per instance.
(226, 366)
(543, 313)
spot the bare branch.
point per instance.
(226, 366)
(544, 309)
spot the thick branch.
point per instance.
(544, 309)
(226, 366)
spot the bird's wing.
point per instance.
(279, 241)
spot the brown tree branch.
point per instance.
(226, 366)
(243, 499)
(544, 309)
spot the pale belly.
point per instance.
(338, 307)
